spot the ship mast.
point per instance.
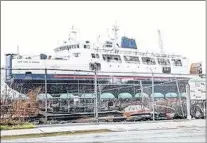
(115, 29)
(160, 42)
(73, 32)
(18, 50)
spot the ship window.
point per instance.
(162, 61)
(93, 55)
(109, 46)
(177, 62)
(108, 59)
(112, 58)
(148, 61)
(87, 46)
(116, 59)
(76, 54)
(131, 59)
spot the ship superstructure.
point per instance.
(75, 61)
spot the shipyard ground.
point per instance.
(158, 131)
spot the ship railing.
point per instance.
(37, 57)
(117, 51)
(25, 56)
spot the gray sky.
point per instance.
(40, 26)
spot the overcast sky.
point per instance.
(40, 26)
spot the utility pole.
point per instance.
(153, 98)
(188, 101)
(141, 87)
(95, 93)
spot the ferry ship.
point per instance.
(75, 64)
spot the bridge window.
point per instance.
(112, 58)
(95, 55)
(108, 44)
(132, 59)
(86, 46)
(148, 61)
(162, 61)
(177, 62)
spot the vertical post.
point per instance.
(204, 108)
(78, 87)
(188, 101)
(100, 90)
(68, 101)
(95, 93)
(179, 96)
(6, 96)
(46, 95)
(141, 87)
(134, 86)
(153, 99)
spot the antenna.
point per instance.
(160, 42)
(17, 49)
(98, 38)
(73, 32)
(108, 34)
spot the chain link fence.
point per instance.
(85, 96)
